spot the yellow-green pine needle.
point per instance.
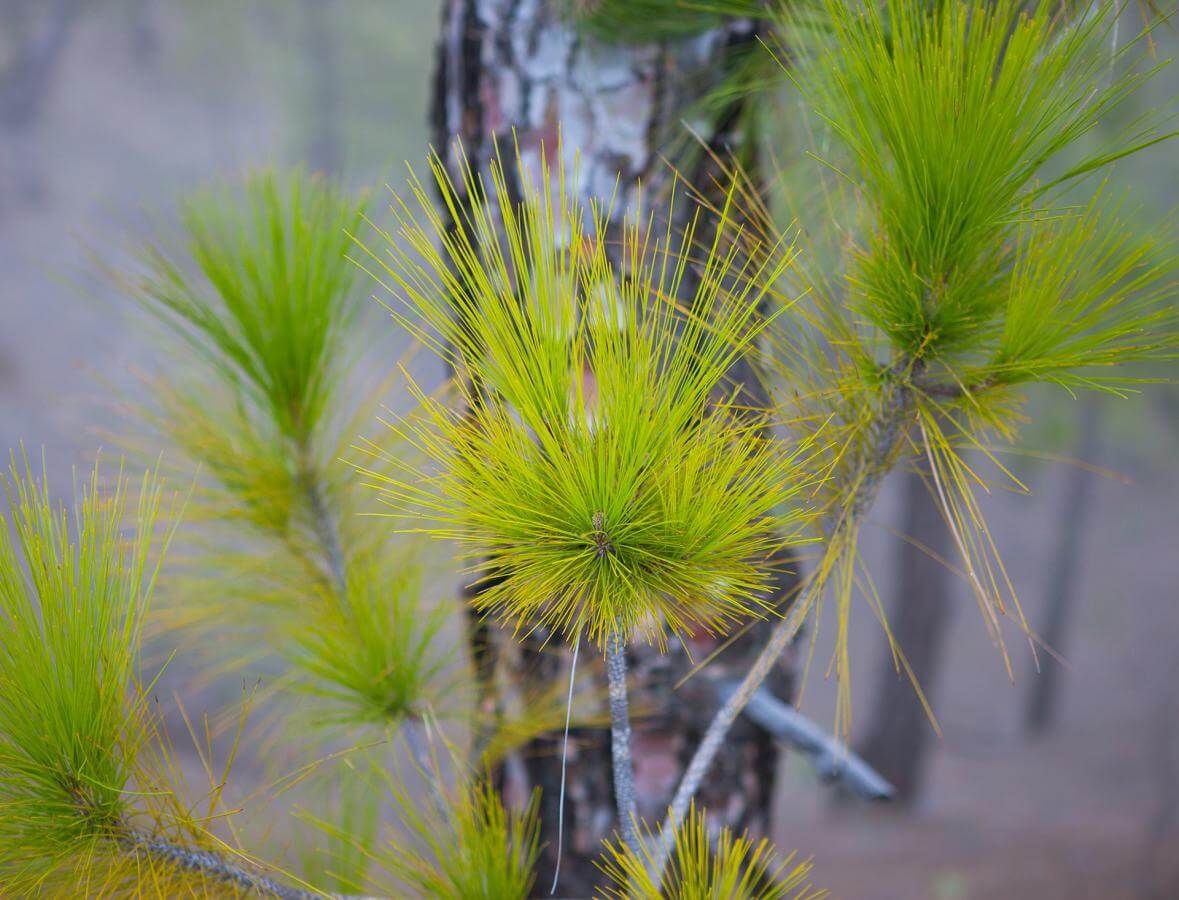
(707, 864)
(597, 471)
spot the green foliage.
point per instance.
(461, 844)
(594, 462)
(601, 476)
(90, 801)
(706, 866)
(950, 118)
(71, 725)
(958, 264)
(373, 659)
(475, 850)
(273, 298)
(1086, 291)
(259, 309)
(335, 853)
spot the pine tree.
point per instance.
(658, 392)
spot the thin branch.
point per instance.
(420, 748)
(718, 728)
(883, 438)
(210, 865)
(328, 533)
(834, 761)
(624, 770)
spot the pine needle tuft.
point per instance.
(599, 469)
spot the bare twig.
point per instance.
(624, 770)
(834, 761)
(883, 437)
(718, 728)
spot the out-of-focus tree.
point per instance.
(900, 728)
(32, 43)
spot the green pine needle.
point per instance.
(963, 251)
(258, 305)
(477, 850)
(90, 799)
(961, 126)
(1088, 291)
(375, 660)
(651, 21)
(272, 295)
(456, 844)
(73, 599)
(601, 476)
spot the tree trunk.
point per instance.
(517, 70)
(899, 732)
(1064, 572)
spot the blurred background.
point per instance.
(1062, 784)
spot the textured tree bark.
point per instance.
(899, 732)
(517, 67)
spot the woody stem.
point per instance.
(624, 772)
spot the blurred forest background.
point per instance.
(111, 109)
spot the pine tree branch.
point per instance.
(324, 524)
(210, 865)
(883, 438)
(951, 391)
(419, 748)
(624, 770)
(783, 633)
(832, 757)
(327, 531)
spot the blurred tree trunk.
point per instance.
(143, 31)
(517, 67)
(899, 731)
(38, 32)
(26, 77)
(1063, 575)
(324, 150)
